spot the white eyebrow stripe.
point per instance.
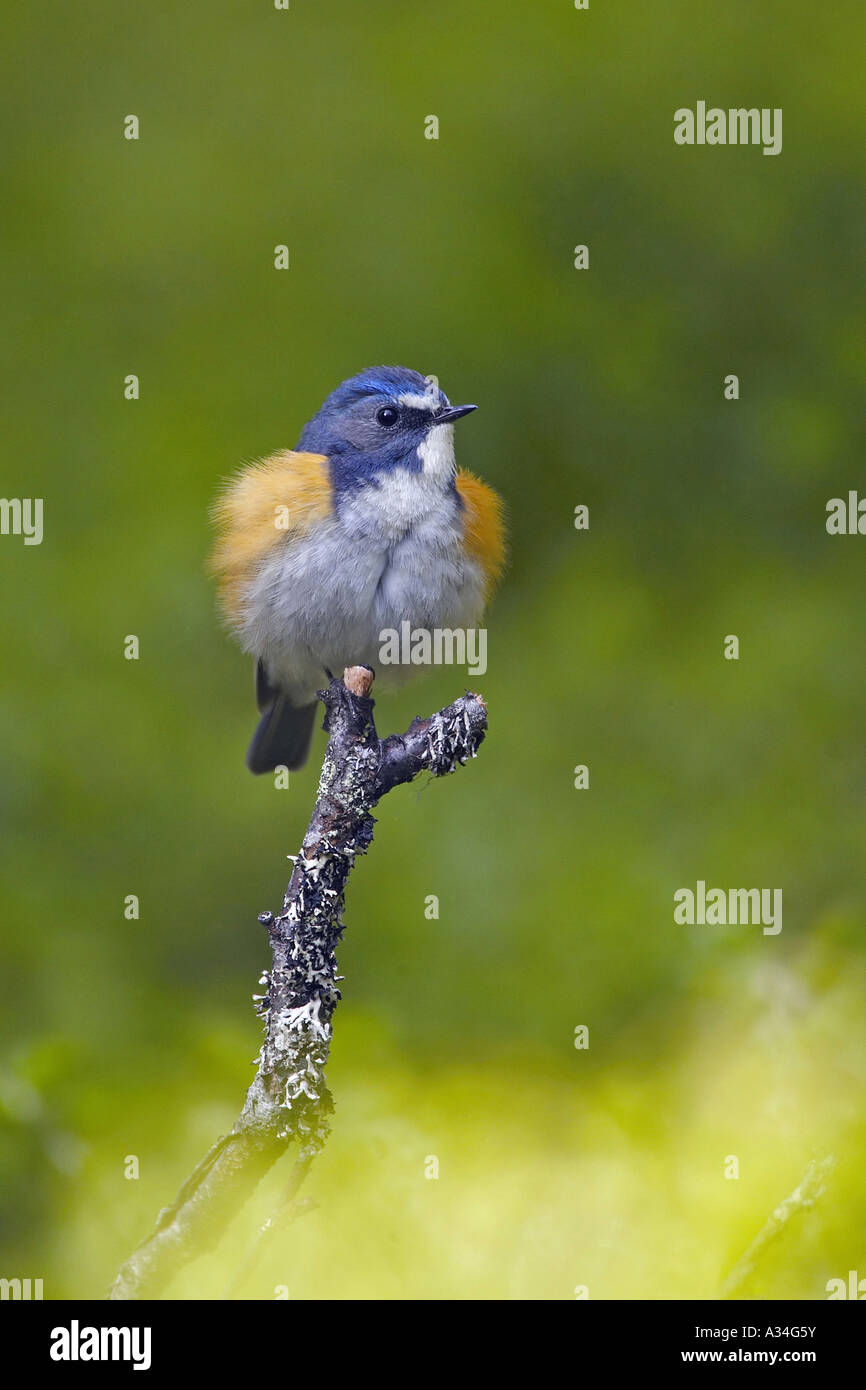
(420, 400)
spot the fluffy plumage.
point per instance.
(368, 525)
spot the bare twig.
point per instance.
(289, 1100)
(290, 1205)
(811, 1186)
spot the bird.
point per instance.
(365, 525)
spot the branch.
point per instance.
(811, 1186)
(289, 1100)
(288, 1207)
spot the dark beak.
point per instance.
(449, 413)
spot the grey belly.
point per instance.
(324, 603)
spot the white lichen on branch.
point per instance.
(288, 1100)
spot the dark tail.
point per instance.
(283, 737)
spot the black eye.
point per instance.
(387, 416)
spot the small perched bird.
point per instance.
(366, 525)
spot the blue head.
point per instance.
(384, 418)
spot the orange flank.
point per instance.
(281, 496)
(485, 527)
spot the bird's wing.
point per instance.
(270, 503)
(484, 527)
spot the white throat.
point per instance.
(437, 454)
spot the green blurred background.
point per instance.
(558, 1167)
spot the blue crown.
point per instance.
(388, 382)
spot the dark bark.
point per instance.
(289, 1100)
